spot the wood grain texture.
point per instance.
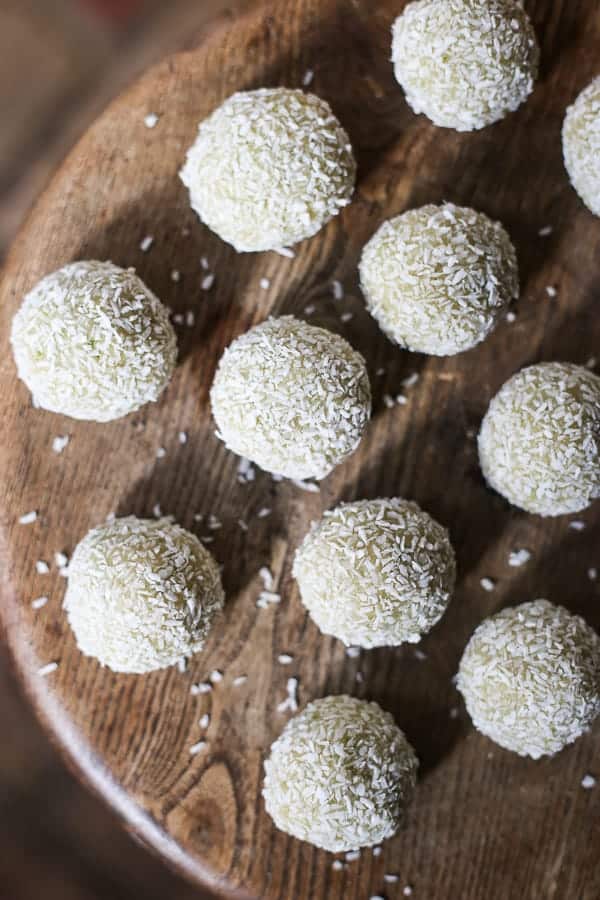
(485, 824)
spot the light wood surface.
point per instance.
(485, 824)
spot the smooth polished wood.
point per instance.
(485, 824)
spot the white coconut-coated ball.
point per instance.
(91, 341)
(530, 677)
(581, 145)
(142, 594)
(539, 443)
(293, 398)
(465, 63)
(269, 168)
(376, 572)
(438, 278)
(341, 775)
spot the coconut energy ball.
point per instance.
(376, 572)
(269, 168)
(581, 145)
(530, 677)
(293, 398)
(91, 341)
(142, 594)
(539, 443)
(438, 278)
(465, 63)
(340, 775)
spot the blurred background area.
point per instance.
(61, 61)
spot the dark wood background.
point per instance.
(485, 824)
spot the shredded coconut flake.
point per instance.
(588, 782)
(48, 669)
(60, 442)
(198, 748)
(146, 243)
(151, 120)
(39, 602)
(42, 567)
(28, 518)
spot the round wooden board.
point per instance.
(485, 823)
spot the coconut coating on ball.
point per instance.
(142, 594)
(465, 63)
(269, 168)
(293, 398)
(376, 572)
(91, 341)
(438, 278)
(341, 775)
(530, 677)
(539, 443)
(581, 145)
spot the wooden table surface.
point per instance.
(485, 824)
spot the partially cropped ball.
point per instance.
(539, 443)
(465, 63)
(91, 341)
(376, 572)
(530, 677)
(438, 278)
(269, 168)
(293, 398)
(581, 145)
(142, 594)
(340, 776)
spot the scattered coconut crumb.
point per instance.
(390, 879)
(377, 897)
(267, 578)
(246, 471)
(28, 518)
(190, 318)
(308, 77)
(61, 559)
(388, 401)
(146, 243)
(264, 512)
(551, 291)
(401, 400)
(240, 679)
(337, 865)
(214, 524)
(265, 284)
(156, 511)
(591, 363)
(545, 231)
(352, 652)
(380, 371)
(345, 317)
(337, 289)
(588, 782)
(161, 453)
(41, 567)
(204, 721)
(285, 659)
(207, 539)
(410, 380)
(488, 584)
(511, 317)
(178, 319)
(309, 310)
(309, 486)
(518, 558)
(175, 275)
(204, 263)
(48, 669)
(420, 655)
(151, 120)
(285, 251)
(592, 574)
(359, 677)
(268, 598)
(215, 676)
(243, 525)
(60, 442)
(291, 701)
(454, 712)
(39, 602)
(577, 525)
(203, 688)
(197, 748)
(407, 891)
(207, 282)
(183, 437)
(377, 851)
(352, 855)
(182, 665)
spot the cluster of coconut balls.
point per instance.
(270, 168)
